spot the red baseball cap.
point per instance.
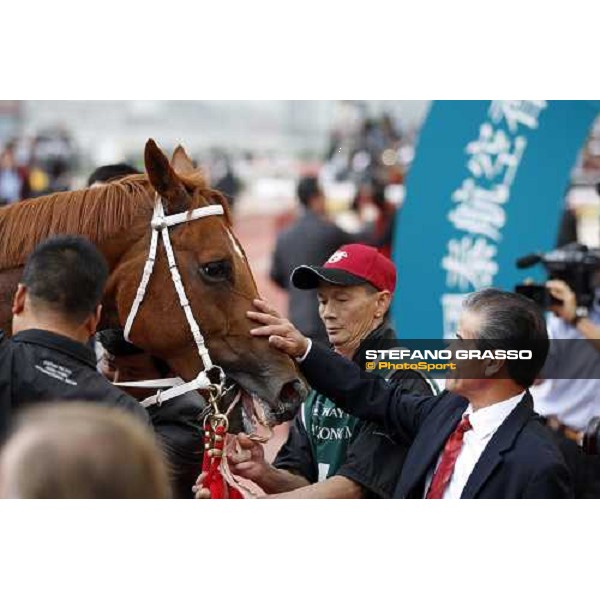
(352, 264)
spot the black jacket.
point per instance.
(520, 461)
(178, 426)
(38, 365)
(373, 459)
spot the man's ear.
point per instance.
(493, 367)
(18, 304)
(91, 323)
(384, 300)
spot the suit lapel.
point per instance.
(428, 445)
(501, 441)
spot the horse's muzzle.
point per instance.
(290, 397)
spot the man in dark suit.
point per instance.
(311, 239)
(480, 438)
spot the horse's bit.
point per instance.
(160, 224)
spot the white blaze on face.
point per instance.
(236, 245)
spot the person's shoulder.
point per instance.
(535, 446)
(416, 382)
(5, 346)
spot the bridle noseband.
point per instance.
(160, 224)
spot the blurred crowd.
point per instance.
(363, 148)
(32, 167)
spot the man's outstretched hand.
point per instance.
(281, 332)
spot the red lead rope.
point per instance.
(214, 441)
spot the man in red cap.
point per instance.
(329, 453)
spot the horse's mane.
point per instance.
(97, 213)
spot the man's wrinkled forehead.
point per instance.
(326, 289)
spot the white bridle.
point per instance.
(160, 224)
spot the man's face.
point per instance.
(468, 378)
(350, 313)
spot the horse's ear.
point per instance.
(164, 179)
(181, 162)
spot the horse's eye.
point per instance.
(216, 271)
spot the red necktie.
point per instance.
(443, 473)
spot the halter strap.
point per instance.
(160, 224)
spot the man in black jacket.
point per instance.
(56, 310)
(478, 439)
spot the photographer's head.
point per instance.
(354, 289)
(497, 320)
(61, 288)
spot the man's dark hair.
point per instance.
(111, 172)
(511, 322)
(308, 188)
(67, 274)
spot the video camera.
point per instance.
(574, 264)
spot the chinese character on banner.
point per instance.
(517, 112)
(470, 263)
(479, 210)
(494, 154)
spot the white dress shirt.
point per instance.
(484, 422)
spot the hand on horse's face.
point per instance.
(281, 332)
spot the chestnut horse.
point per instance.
(213, 267)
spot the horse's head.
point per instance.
(218, 283)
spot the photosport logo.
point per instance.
(440, 358)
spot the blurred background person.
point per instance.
(376, 214)
(107, 173)
(311, 239)
(78, 450)
(224, 178)
(14, 179)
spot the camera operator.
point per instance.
(577, 316)
(569, 403)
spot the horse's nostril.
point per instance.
(292, 393)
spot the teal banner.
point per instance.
(486, 187)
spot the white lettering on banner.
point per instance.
(494, 153)
(479, 210)
(517, 112)
(470, 263)
(479, 205)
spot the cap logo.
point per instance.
(337, 256)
